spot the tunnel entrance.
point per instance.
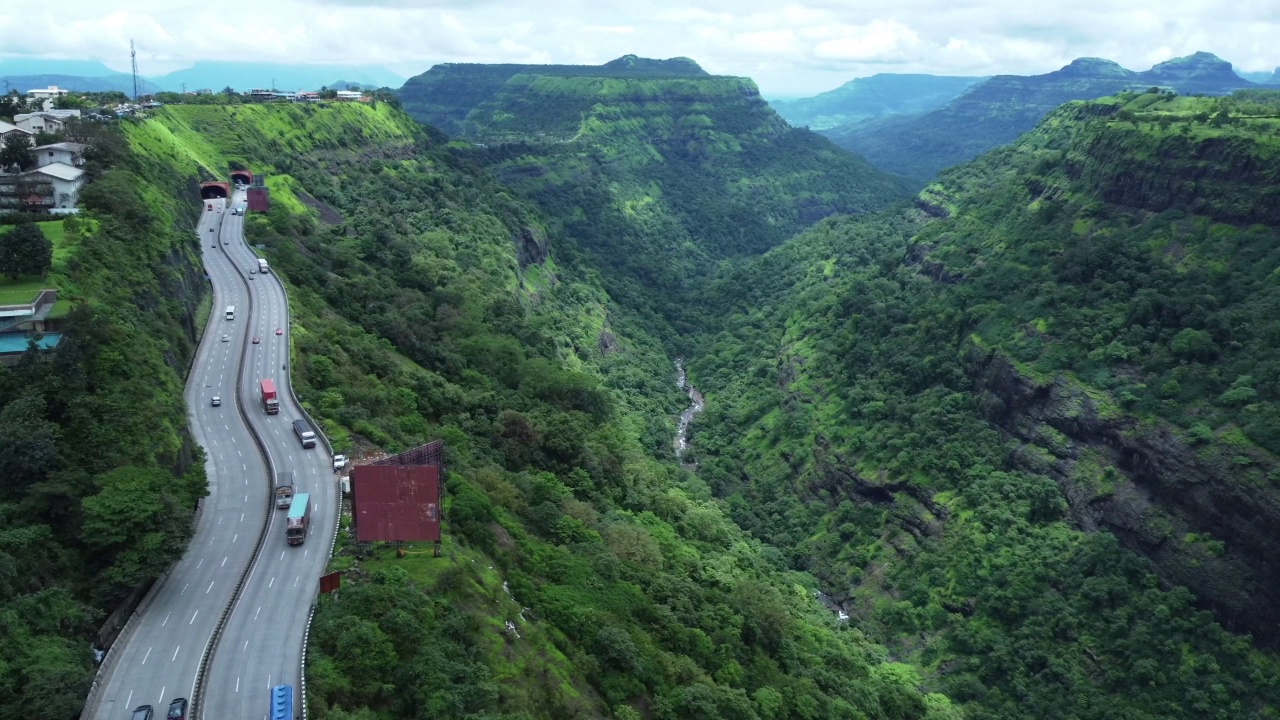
(215, 190)
(242, 177)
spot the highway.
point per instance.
(261, 644)
(157, 657)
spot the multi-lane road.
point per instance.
(159, 655)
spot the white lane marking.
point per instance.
(129, 702)
(144, 657)
(237, 537)
(166, 622)
(161, 700)
(238, 679)
(193, 617)
(211, 582)
(199, 563)
(184, 589)
(281, 554)
(255, 617)
(297, 580)
(224, 562)
(273, 582)
(241, 517)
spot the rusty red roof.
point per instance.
(396, 503)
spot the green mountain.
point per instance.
(657, 169)
(1027, 431)
(998, 110)
(427, 303)
(872, 97)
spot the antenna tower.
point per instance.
(133, 60)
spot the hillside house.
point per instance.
(25, 319)
(7, 129)
(46, 96)
(47, 121)
(54, 188)
(67, 153)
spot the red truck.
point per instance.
(270, 402)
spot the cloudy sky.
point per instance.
(790, 49)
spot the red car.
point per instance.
(279, 331)
(257, 340)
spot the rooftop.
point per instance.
(74, 147)
(61, 171)
(6, 128)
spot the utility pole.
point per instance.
(133, 60)
(184, 88)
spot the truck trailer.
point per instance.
(284, 490)
(281, 703)
(295, 529)
(262, 265)
(304, 433)
(270, 402)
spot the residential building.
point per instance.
(350, 95)
(67, 153)
(8, 128)
(47, 121)
(54, 188)
(23, 321)
(46, 96)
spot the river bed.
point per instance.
(696, 404)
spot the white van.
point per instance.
(231, 312)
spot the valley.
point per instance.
(736, 423)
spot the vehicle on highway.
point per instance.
(279, 331)
(143, 712)
(295, 529)
(339, 462)
(256, 339)
(281, 703)
(210, 229)
(178, 709)
(253, 271)
(216, 401)
(304, 433)
(270, 402)
(262, 265)
(284, 490)
(231, 312)
(226, 338)
(210, 207)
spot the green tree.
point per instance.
(25, 250)
(17, 151)
(28, 443)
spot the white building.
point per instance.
(48, 121)
(66, 182)
(67, 153)
(46, 96)
(7, 128)
(350, 95)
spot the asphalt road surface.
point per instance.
(158, 657)
(261, 645)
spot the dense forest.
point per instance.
(1021, 429)
(100, 476)
(1009, 427)
(431, 303)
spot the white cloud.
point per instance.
(795, 47)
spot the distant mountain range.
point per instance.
(872, 97)
(998, 110)
(23, 74)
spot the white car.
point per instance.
(226, 338)
(216, 401)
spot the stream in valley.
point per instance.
(696, 403)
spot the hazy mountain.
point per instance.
(120, 82)
(1262, 77)
(245, 75)
(873, 97)
(997, 111)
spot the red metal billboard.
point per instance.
(330, 582)
(396, 503)
(259, 199)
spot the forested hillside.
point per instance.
(998, 110)
(872, 97)
(429, 303)
(658, 176)
(1026, 432)
(99, 474)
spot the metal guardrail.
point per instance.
(197, 695)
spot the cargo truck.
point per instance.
(304, 433)
(270, 402)
(284, 490)
(281, 703)
(295, 529)
(262, 265)
(231, 312)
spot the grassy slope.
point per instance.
(414, 320)
(889, 369)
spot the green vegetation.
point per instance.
(972, 428)
(432, 304)
(1000, 109)
(99, 473)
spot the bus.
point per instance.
(281, 703)
(231, 312)
(295, 529)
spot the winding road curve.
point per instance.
(158, 656)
